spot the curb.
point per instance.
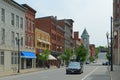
(5, 74)
(108, 68)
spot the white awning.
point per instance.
(51, 57)
(46, 42)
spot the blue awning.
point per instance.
(25, 54)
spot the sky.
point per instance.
(94, 15)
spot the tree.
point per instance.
(96, 52)
(81, 53)
(108, 56)
(44, 56)
(66, 55)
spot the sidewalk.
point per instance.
(115, 74)
(9, 73)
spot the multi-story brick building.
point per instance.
(11, 24)
(50, 25)
(29, 48)
(76, 40)
(92, 50)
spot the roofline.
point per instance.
(27, 6)
(12, 2)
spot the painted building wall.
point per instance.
(42, 40)
(8, 30)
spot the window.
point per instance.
(28, 24)
(32, 41)
(3, 15)
(117, 1)
(32, 27)
(21, 41)
(26, 27)
(14, 58)
(17, 21)
(17, 38)
(1, 58)
(21, 23)
(12, 19)
(3, 36)
(12, 38)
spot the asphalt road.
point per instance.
(93, 71)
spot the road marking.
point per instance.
(90, 73)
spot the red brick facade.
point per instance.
(29, 27)
(50, 25)
(76, 40)
(92, 50)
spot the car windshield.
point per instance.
(74, 65)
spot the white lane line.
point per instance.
(90, 73)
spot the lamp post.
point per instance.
(111, 46)
(18, 40)
(107, 35)
(111, 37)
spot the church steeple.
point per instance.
(85, 38)
(85, 33)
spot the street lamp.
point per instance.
(107, 35)
(18, 40)
(111, 48)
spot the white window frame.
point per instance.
(3, 14)
(12, 19)
(14, 58)
(21, 23)
(1, 58)
(17, 21)
(3, 36)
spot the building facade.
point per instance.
(29, 48)
(68, 35)
(116, 28)
(76, 40)
(42, 41)
(92, 50)
(11, 30)
(50, 25)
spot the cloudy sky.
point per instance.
(94, 15)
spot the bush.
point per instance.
(91, 59)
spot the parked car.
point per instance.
(94, 61)
(87, 62)
(74, 67)
(105, 63)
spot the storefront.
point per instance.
(28, 60)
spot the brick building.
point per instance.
(92, 50)
(50, 25)
(29, 62)
(76, 40)
(68, 35)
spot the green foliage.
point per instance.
(96, 52)
(66, 55)
(81, 53)
(91, 59)
(108, 56)
(44, 55)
